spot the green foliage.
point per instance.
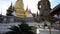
(20, 29)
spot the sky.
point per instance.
(32, 4)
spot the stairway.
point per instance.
(4, 27)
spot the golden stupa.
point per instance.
(19, 9)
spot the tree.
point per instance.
(20, 29)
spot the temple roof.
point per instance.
(55, 10)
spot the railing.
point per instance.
(9, 19)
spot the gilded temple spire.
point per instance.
(19, 9)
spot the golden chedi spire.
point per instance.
(19, 4)
(19, 9)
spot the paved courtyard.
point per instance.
(44, 31)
